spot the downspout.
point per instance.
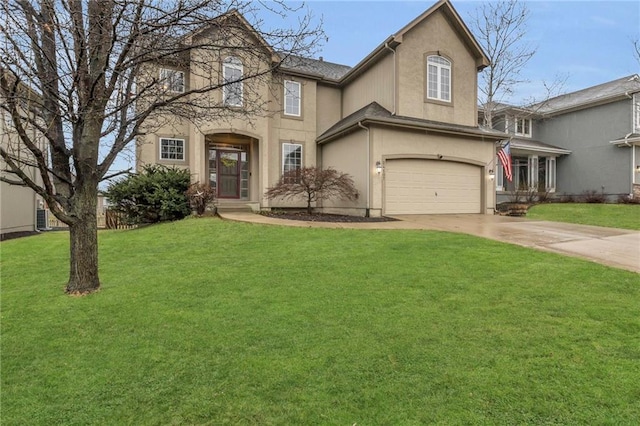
(386, 45)
(368, 207)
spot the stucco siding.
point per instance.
(18, 210)
(349, 154)
(594, 163)
(329, 107)
(375, 84)
(435, 35)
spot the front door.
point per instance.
(228, 174)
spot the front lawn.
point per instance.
(212, 322)
(625, 216)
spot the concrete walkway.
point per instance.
(619, 248)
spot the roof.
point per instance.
(526, 144)
(374, 113)
(316, 67)
(627, 140)
(591, 96)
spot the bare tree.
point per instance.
(84, 74)
(501, 29)
(314, 184)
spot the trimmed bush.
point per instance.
(157, 194)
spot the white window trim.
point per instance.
(499, 176)
(168, 78)
(551, 175)
(184, 149)
(297, 98)
(285, 145)
(439, 69)
(519, 120)
(235, 64)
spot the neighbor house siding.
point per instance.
(594, 163)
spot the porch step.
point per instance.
(233, 206)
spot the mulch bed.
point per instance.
(320, 217)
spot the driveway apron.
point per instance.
(609, 246)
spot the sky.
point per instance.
(583, 43)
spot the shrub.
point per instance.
(567, 198)
(156, 194)
(314, 184)
(628, 199)
(200, 195)
(594, 197)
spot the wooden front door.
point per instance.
(228, 174)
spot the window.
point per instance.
(438, 78)
(533, 172)
(232, 79)
(172, 80)
(172, 149)
(291, 157)
(292, 90)
(523, 126)
(499, 176)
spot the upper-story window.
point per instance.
(523, 127)
(438, 78)
(172, 80)
(292, 92)
(232, 78)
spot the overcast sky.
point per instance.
(589, 42)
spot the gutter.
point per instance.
(368, 168)
(386, 45)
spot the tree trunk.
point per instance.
(83, 274)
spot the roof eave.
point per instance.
(398, 123)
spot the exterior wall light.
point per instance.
(378, 167)
(492, 174)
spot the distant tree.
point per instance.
(200, 195)
(314, 184)
(156, 194)
(94, 67)
(501, 29)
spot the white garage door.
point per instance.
(431, 187)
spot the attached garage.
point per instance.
(416, 186)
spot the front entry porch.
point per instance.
(232, 161)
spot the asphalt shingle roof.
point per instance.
(629, 84)
(317, 67)
(376, 112)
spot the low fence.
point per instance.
(108, 219)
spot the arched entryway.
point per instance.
(231, 158)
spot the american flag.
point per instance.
(505, 158)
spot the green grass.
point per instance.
(211, 322)
(625, 216)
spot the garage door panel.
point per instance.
(431, 187)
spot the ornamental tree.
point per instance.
(313, 184)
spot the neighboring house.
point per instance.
(582, 141)
(402, 123)
(21, 209)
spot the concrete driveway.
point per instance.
(614, 247)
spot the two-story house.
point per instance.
(581, 141)
(21, 209)
(402, 122)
